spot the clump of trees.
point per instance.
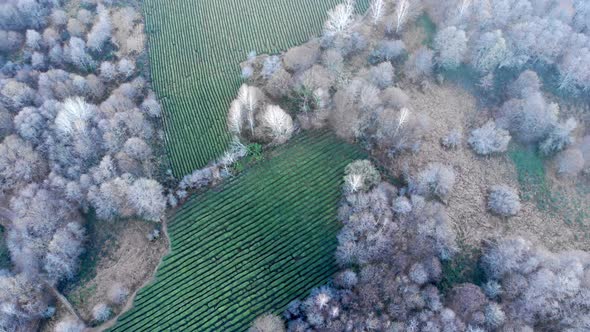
(250, 117)
(515, 34)
(361, 102)
(391, 251)
(78, 131)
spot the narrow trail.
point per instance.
(129, 304)
(64, 301)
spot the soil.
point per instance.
(451, 107)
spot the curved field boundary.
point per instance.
(195, 48)
(251, 246)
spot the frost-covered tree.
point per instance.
(19, 163)
(23, 300)
(405, 11)
(489, 51)
(101, 30)
(489, 139)
(530, 119)
(64, 250)
(451, 46)
(118, 294)
(146, 197)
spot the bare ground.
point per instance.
(131, 260)
(451, 107)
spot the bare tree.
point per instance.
(340, 18)
(377, 10)
(405, 10)
(276, 124)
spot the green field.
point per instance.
(252, 245)
(195, 48)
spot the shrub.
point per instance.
(559, 137)
(118, 293)
(436, 180)
(570, 162)
(503, 201)
(452, 140)
(101, 312)
(489, 139)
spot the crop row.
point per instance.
(266, 238)
(195, 48)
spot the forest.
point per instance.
(412, 165)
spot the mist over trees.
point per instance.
(78, 127)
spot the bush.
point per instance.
(570, 162)
(452, 140)
(489, 139)
(436, 180)
(118, 293)
(559, 137)
(503, 201)
(101, 312)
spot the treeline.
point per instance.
(78, 130)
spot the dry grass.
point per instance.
(451, 107)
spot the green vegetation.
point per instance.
(462, 268)
(531, 177)
(533, 184)
(4, 254)
(195, 48)
(252, 245)
(429, 27)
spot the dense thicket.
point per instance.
(78, 128)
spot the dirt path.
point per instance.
(64, 301)
(129, 304)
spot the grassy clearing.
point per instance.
(572, 208)
(251, 246)
(195, 48)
